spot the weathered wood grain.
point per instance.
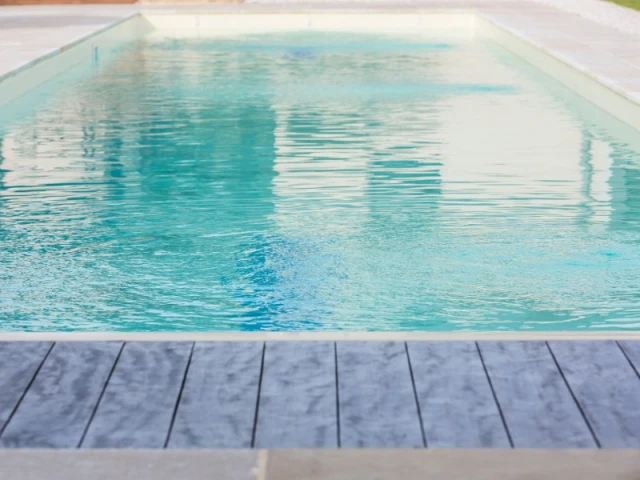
(456, 401)
(298, 396)
(218, 402)
(19, 361)
(606, 387)
(377, 401)
(138, 404)
(300, 406)
(537, 404)
(631, 349)
(56, 410)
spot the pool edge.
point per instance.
(312, 336)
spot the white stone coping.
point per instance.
(325, 464)
(315, 336)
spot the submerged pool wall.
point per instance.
(578, 79)
(86, 49)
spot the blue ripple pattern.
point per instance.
(314, 181)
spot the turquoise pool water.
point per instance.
(309, 181)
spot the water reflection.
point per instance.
(347, 183)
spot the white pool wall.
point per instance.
(26, 78)
(208, 24)
(577, 78)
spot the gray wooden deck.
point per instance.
(583, 394)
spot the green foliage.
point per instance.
(635, 4)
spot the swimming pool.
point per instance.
(312, 180)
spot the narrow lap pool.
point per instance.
(315, 181)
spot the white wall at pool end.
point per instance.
(211, 23)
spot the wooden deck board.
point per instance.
(19, 362)
(152, 394)
(538, 407)
(218, 403)
(377, 401)
(297, 405)
(139, 401)
(57, 408)
(456, 401)
(606, 387)
(631, 350)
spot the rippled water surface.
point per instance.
(315, 182)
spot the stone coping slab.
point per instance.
(321, 465)
(312, 336)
